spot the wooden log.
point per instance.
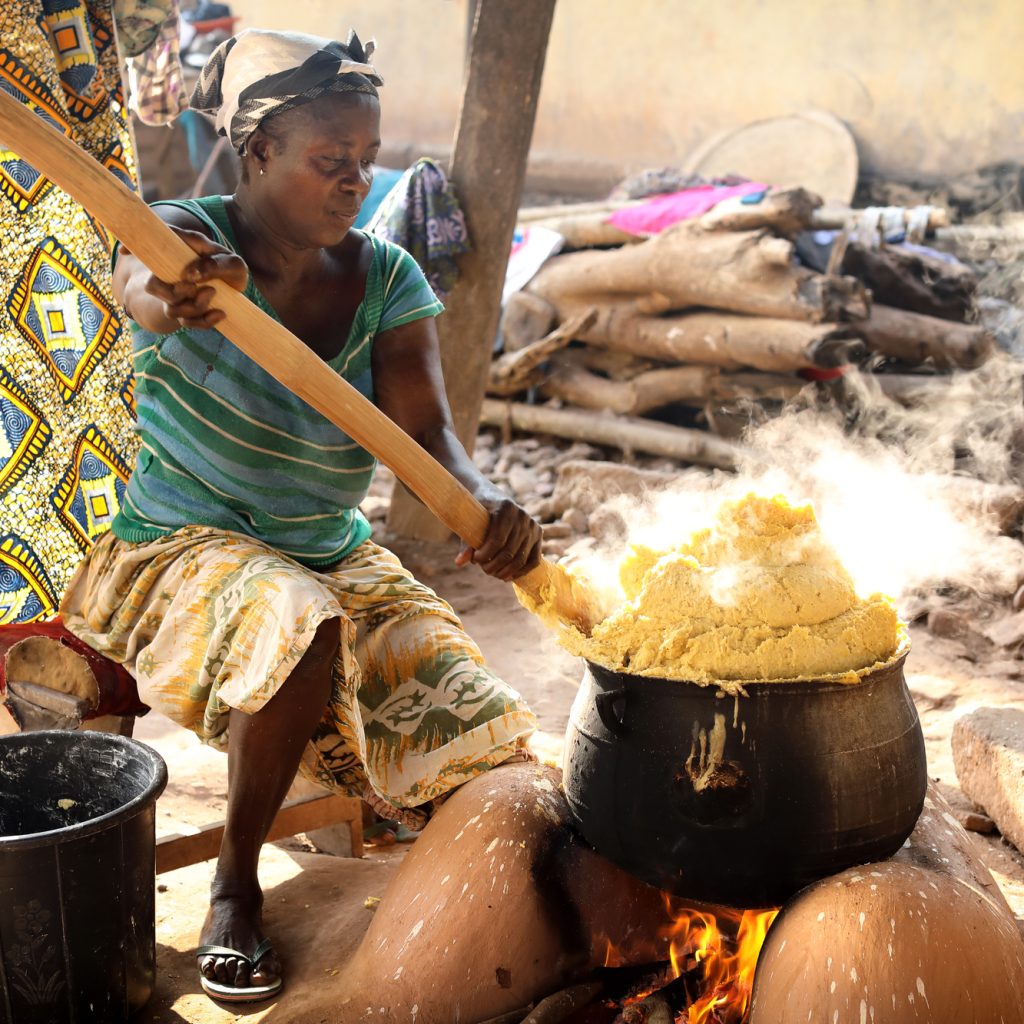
(626, 433)
(612, 363)
(512, 1017)
(505, 65)
(563, 1004)
(516, 371)
(588, 231)
(178, 851)
(787, 212)
(1008, 234)
(914, 339)
(586, 224)
(913, 281)
(781, 387)
(525, 319)
(837, 217)
(745, 272)
(725, 340)
(536, 214)
(654, 1009)
(576, 385)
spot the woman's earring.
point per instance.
(261, 172)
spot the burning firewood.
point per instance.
(559, 1006)
(652, 1010)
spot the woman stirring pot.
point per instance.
(239, 583)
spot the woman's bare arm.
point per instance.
(409, 389)
(162, 306)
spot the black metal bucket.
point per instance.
(743, 800)
(77, 847)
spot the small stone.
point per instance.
(607, 525)
(522, 481)
(1007, 631)
(557, 531)
(581, 450)
(1018, 599)
(1008, 667)
(576, 519)
(484, 459)
(975, 822)
(946, 623)
(161, 887)
(539, 508)
(554, 548)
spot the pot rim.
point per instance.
(741, 687)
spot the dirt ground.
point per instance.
(315, 902)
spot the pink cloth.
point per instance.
(662, 212)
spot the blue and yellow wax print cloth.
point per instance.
(66, 441)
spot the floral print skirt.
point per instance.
(208, 620)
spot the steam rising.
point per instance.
(908, 497)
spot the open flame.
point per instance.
(723, 948)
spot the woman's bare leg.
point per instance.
(264, 750)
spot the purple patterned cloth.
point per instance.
(422, 215)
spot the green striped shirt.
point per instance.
(226, 445)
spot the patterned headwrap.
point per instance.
(258, 74)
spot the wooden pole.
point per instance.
(508, 45)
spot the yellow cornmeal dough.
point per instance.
(758, 596)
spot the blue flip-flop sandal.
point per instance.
(230, 993)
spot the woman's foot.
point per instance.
(234, 923)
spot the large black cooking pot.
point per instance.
(744, 800)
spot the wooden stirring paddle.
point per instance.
(549, 590)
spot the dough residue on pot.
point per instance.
(758, 596)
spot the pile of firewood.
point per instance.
(716, 313)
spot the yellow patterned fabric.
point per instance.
(66, 441)
(207, 620)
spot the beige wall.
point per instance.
(929, 88)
